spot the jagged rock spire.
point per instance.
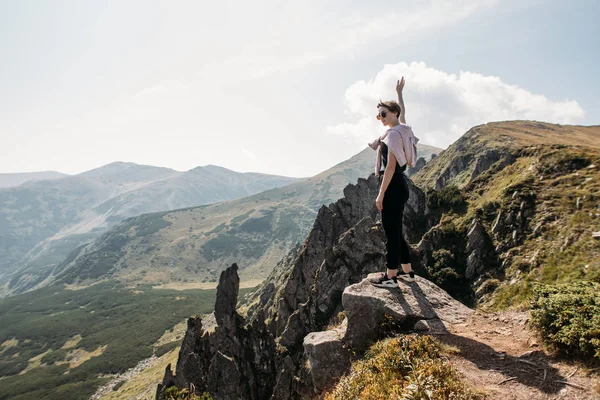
(227, 296)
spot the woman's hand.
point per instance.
(400, 86)
(379, 202)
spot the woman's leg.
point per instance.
(390, 218)
(404, 248)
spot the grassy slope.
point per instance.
(143, 385)
(49, 328)
(407, 367)
(555, 165)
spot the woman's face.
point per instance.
(385, 116)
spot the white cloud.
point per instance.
(441, 106)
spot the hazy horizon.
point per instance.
(176, 170)
(281, 88)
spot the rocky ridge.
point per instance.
(304, 294)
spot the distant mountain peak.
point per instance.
(211, 167)
(128, 171)
(16, 179)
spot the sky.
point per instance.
(279, 87)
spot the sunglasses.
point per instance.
(381, 114)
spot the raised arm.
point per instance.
(399, 87)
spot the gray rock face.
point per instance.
(295, 284)
(486, 160)
(512, 223)
(456, 166)
(227, 295)
(468, 156)
(418, 166)
(482, 257)
(328, 356)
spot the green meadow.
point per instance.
(62, 344)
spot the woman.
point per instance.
(396, 149)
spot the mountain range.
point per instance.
(42, 221)
(45, 221)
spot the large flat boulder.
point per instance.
(369, 309)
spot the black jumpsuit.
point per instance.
(396, 195)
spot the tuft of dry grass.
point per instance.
(77, 357)
(336, 321)
(72, 342)
(143, 384)
(406, 367)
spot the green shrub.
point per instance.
(488, 286)
(447, 265)
(449, 198)
(235, 244)
(148, 224)
(562, 162)
(408, 367)
(443, 272)
(174, 393)
(217, 229)
(257, 225)
(235, 220)
(54, 356)
(12, 367)
(567, 318)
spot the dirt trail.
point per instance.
(499, 355)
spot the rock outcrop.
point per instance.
(482, 257)
(301, 296)
(456, 166)
(374, 312)
(484, 161)
(513, 221)
(244, 361)
(418, 166)
(328, 356)
(368, 308)
(233, 362)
